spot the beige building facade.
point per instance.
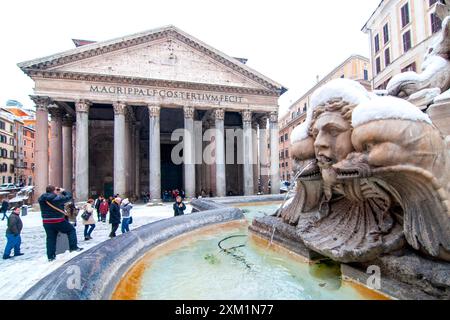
(7, 146)
(115, 106)
(27, 162)
(356, 68)
(400, 31)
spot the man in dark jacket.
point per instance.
(114, 216)
(97, 203)
(4, 208)
(179, 207)
(53, 216)
(13, 235)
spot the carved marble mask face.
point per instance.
(332, 135)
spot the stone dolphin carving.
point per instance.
(422, 88)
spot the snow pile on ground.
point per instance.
(349, 90)
(300, 133)
(21, 273)
(383, 108)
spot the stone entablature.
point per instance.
(104, 92)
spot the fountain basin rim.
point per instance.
(101, 268)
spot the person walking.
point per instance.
(126, 207)
(88, 219)
(179, 207)
(53, 218)
(104, 207)
(97, 204)
(4, 209)
(114, 216)
(13, 234)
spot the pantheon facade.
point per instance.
(114, 106)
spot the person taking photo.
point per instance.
(54, 219)
(179, 207)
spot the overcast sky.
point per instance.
(290, 41)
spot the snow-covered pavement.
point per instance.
(20, 273)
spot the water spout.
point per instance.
(271, 237)
(291, 186)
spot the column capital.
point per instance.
(67, 121)
(56, 113)
(219, 114)
(119, 108)
(188, 112)
(82, 106)
(246, 116)
(154, 110)
(255, 124)
(42, 102)
(262, 123)
(273, 117)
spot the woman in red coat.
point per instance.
(104, 209)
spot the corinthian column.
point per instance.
(263, 159)
(137, 155)
(255, 155)
(41, 147)
(189, 152)
(248, 152)
(82, 148)
(55, 169)
(67, 152)
(128, 150)
(274, 154)
(154, 153)
(119, 149)
(221, 184)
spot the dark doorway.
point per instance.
(171, 174)
(108, 189)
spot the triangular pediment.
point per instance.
(162, 54)
(164, 59)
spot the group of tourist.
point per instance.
(59, 215)
(171, 195)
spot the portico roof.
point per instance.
(98, 48)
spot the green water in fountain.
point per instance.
(202, 271)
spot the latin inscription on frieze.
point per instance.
(165, 93)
